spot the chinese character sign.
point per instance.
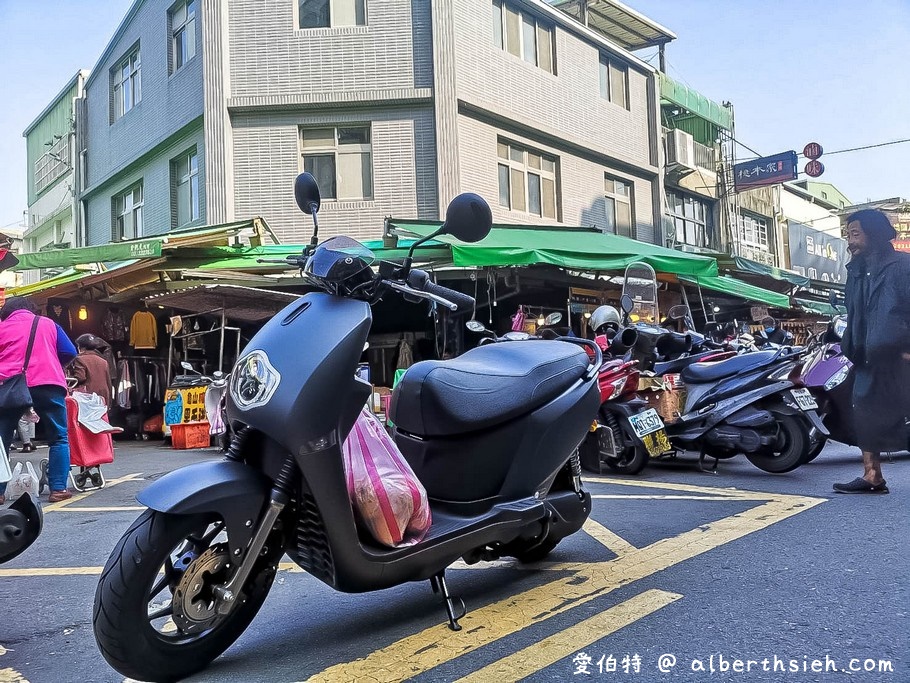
(765, 171)
(184, 405)
(816, 254)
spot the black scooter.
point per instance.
(492, 435)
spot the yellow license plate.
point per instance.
(657, 443)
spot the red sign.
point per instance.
(814, 168)
(812, 151)
(902, 245)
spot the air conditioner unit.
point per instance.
(680, 149)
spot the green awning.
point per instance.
(574, 248)
(64, 278)
(819, 307)
(695, 102)
(755, 268)
(730, 285)
(151, 247)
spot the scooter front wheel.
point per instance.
(155, 615)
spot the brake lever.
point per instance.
(397, 286)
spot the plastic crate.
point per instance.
(190, 435)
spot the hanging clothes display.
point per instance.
(518, 320)
(143, 331)
(61, 315)
(405, 355)
(124, 385)
(113, 326)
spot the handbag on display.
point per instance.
(14, 393)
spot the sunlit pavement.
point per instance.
(678, 562)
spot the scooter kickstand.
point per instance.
(701, 463)
(438, 583)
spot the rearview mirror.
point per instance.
(626, 304)
(678, 312)
(553, 318)
(468, 218)
(306, 192)
(475, 326)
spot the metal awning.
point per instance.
(694, 102)
(242, 304)
(617, 22)
(743, 290)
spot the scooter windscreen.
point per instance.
(339, 259)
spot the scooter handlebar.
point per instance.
(420, 280)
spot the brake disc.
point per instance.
(194, 600)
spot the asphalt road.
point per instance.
(679, 571)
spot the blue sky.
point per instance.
(829, 71)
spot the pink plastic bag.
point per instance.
(384, 490)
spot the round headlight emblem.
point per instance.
(254, 380)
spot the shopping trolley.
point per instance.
(89, 450)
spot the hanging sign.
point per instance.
(184, 405)
(765, 171)
(814, 168)
(813, 151)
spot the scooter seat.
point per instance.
(699, 373)
(679, 363)
(485, 386)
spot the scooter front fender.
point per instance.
(20, 525)
(231, 490)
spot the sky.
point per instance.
(796, 71)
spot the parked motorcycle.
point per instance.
(20, 526)
(491, 435)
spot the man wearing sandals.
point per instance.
(877, 341)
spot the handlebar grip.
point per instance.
(419, 279)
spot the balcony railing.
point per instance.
(704, 157)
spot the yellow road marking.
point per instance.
(90, 571)
(632, 496)
(11, 676)
(54, 507)
(436, 645)
(560, 645)
(613, 542)
(700, 490)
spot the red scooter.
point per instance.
(627, 432)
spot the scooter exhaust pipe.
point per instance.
(624, 340)
(673, 344)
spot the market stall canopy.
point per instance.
(730, 285)
(750, 267)
(97, 282)
(819, 307)
(151, 247)
(584, 249)
(242, 304)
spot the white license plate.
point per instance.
(804, 399)
(646, 422)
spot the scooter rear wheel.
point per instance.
(789, 452)
(154, 616)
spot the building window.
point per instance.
(127, 211)
(691, 218)
(527, 181)
(614, 81)
(186, 187)
(328, 13)
(183, 34)
(618, 196)
(127, 84)
(53, 163)
(753, 230)
(341, 159)
(524, 36)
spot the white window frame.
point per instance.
(54, 163)
(529, 28)
(531, 168)
(627, 199)
(191, 180)
(124, 204)
(754, 231)
(184, 27)
(342, 190)
(128, 70)
(360, 14)
(611, 70)
(689, 221)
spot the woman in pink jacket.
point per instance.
(52, 350)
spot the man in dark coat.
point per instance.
(877, 341)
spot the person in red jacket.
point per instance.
(52, 351)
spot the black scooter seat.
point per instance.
(699, 373)
(677, 364)
(484, 387)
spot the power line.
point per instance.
(839, 151)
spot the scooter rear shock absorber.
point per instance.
(574, 465)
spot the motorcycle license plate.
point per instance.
(646, 422)
(804, 399)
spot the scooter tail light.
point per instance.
(618, 386)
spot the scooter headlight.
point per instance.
(253, 381)
(840, 326)
(837, 378)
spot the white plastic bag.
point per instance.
(23, 481)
